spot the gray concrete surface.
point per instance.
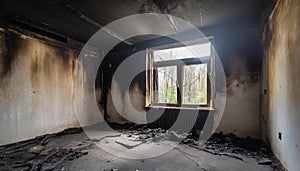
(181, 158)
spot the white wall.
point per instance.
(281, 79)
(241, 114)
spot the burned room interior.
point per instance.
(144, 85)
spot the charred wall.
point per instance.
(280, 83)
(36, 87)
(241, 55)
(239, 48)
(136, 93)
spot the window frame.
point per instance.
(151, 96)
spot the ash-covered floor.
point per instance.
(73, 150)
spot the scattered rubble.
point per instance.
(35, 154)
(219, 144)
(248, 147)
(265, 162)
(143, 133)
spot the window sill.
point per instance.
(182, 108)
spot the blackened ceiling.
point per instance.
(79, 19)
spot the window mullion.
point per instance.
(179, 84)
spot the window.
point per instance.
(179, 76)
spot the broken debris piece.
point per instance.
(36, 149)
(265, 162)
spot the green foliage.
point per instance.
(198, 98)
(171, 96)
(202, 97)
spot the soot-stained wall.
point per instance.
(281, 82)
(36, 88)
(241, 54)
(240, 51)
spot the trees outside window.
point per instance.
(179, 76)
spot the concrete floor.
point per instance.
(180, 158)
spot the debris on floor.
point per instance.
(47, 153)
(36, 154)
(219, 144)
(230, 144)
(154, 135)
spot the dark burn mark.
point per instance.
(13, 43)
(65, 56)
(18, 22)
(139, 80)
(46, 60)
(74, 61)
(34, 65)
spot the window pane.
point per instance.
(166, 84)
(193, 51)
(195, 84)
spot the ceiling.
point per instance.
(79, 19)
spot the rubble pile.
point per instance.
(39, 154)
(219, 144)
(36, 154)
(248, 147)
(153, 135)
